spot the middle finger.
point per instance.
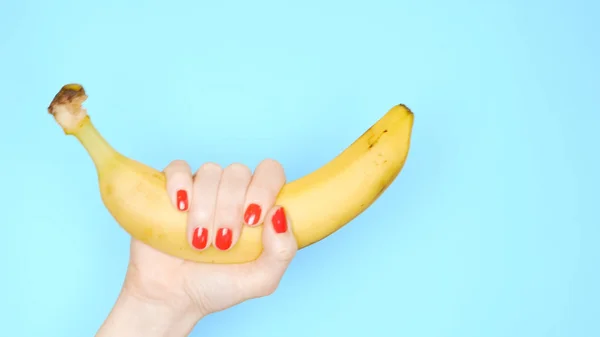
(230, 203)
(202, 211)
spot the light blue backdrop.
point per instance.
(489, 231)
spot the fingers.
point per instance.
(279, 248)
(179, 184)
(202, 211)
(266, 183)
(229, 207)
(220, 201)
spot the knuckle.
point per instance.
(227, 194)
(210, 166)
(269, 287)
(198, 217)
(179, 179)
(230, 218)
(238, 169)
(286, 253)
(271, 171)
(231, 188)
(262, 192)
(271, 164)
(179, 165)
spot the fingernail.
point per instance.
(252, 214)
(224, 237)
(279, 221)
(200, 238)
(182, 200)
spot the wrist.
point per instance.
(133, 316)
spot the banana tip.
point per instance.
(404, 107)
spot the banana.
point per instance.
(318, 204)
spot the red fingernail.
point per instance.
(252, 214)
(182, 200)
(200, 238)
(279, 221)
(224, 237)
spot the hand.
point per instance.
(219, 202)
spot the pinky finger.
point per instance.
(179, 184)
(280, 247)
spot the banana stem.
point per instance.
(95, 145)
(67, 110)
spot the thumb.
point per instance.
(279, 248)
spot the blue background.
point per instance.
(489, 231)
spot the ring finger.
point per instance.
(266, 183)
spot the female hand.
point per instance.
(166, 296)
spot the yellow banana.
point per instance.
(318, 204)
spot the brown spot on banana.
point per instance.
(374, 140)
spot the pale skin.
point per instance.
(164, 296)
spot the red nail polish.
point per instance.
(200, 238)
(224, 238)
(252, 214)
(182, 200)
(279, 221)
